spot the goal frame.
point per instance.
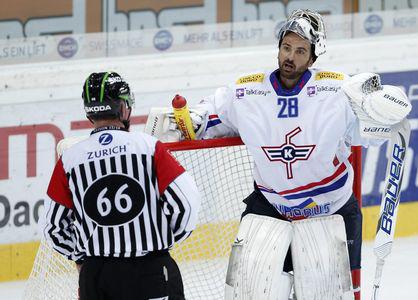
(48, 260)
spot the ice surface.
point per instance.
(399, 281)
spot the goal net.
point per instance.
(222, 169)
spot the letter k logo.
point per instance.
(288, 153)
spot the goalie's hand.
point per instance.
(383, 104)
(162, 124)
(198, 120)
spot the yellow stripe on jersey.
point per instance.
(329, 75)
(251, 78)
(311, 205)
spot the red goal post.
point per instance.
(222, 169)
(356, 152)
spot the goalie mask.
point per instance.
(309, 26)
(102, 95)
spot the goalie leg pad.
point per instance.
(255, 269)
(320, 259)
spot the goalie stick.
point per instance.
(398, 145)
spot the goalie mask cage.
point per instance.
(222, 169)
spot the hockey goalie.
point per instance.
(301, 229)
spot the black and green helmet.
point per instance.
(102, 94)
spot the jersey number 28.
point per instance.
(288, 107)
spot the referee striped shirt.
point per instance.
(119, 194)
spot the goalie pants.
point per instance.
(351, 213)
(153, 276)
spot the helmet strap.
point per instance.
(126, 124)
(127, 121)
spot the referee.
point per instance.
(118, 201)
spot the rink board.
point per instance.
(17, 259)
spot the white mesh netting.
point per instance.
(224, 178)
(371, 85)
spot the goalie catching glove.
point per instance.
(378, 107)
(163, 124)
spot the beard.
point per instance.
(288, 69)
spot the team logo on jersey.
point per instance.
(105, 139)
(329, 75)
(251, 78)
(288, 153)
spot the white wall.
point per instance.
(155, 78)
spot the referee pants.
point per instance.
(153, 276)
(350, 211)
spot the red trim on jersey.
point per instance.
(213, 117)
(58, 188)
(335, 162)
(326, 180)
(166, 166)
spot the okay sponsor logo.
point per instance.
(240, 92)
(256, 92)
(316, 89)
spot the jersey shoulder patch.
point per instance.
(329, 75)
(258, 77)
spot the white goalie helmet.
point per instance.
(309, 26)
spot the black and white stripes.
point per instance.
(116, 209)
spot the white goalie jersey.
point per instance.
(300, 139)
